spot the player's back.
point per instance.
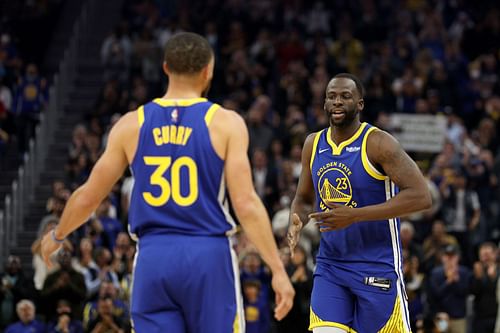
(179, 180)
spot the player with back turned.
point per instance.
(184, 151)
(360, 180)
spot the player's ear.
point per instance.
(166, 70)
(361, 104)
(208, 71)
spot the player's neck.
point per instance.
(183, 90)
(340, 134)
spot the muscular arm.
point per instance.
(304, 196)
(384, 150)
(249, 209)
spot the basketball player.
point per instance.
(360, 180)
(183, 151)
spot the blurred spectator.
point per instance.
(77, 145)
(407, 232)
(147, 56)
(106, 321)
(27, 322)
(119, 310)
(461, 210)
(256, 316)
(280, 220)
(14, 287)
(56, 207)
(123, 253)
(59, 192)
(265, 178)
(106, 272)
(484, 286)
(5, 132)
(414, 285)
(85, 264)
(434, 243)
(64, 283)
(260, 133)
(449, 286)
(301, 276)
(111, 226)
(252, 268)
(29, 101)
(116, 51)
(5, 95)
(65, 323)
(348, 51)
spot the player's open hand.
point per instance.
(49, 246)
(293, 234)
(338, 217)
(284, 294)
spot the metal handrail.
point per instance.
(23, 188)
(3, 243)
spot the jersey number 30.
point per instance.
(172, 188)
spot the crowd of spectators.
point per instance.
(23, 90)
(273, 62)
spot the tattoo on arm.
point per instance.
(397, 165)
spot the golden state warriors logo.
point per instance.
(334, 186)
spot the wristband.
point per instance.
(54, 238)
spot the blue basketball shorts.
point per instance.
(358, 301)
(186, 284)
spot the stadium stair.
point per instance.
(81, 98)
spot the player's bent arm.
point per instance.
(106, 172)
(246, 203)
(414, 195)
(304, 196)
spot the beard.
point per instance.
(205, 91)
(349, 117)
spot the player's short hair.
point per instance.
(359, 84)
(186, 53)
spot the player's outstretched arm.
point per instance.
(383, 150)
(251, 212)
(304, 197)
(106, 172)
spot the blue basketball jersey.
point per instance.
(343, 175)
(179, 179)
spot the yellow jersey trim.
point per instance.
(367, 165)
(395, 323)
(315, 322)
(337, 150)
(210, 113)
(315, 145)
(179, 102)
(236, 323)
(140, 115)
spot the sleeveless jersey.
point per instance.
(343, 175)
(179, 181)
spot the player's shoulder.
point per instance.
(229, 119)
(311, 137)
(129, 120)
(381, 144)
(381, 138)
(126, 127)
